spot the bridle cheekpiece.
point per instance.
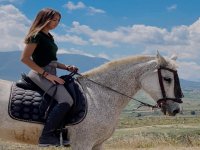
(177, 88)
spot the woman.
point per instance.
(40, 55)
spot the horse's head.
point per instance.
(162, 83)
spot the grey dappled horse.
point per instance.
(127, 75)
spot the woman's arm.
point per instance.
(26, 59)
(62, 66)
(70, 68)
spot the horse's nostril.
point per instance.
(176, 111)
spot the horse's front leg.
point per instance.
(98, 147)
(81, 146)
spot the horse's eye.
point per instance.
(167, 79)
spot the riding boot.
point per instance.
(66, 141)
(53, 122)
(62, 135)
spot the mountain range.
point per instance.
(11, 66)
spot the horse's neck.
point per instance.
(122, 77)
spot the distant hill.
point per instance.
(189, 85)
(11, 67)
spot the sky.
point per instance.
(113, 29)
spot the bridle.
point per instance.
(177, 88)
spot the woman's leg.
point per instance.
(55, 118)
(61, 96)
(53, 122)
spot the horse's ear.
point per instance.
(174, 57)
(161, 60)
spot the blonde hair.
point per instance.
(41, 20)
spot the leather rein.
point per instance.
(159, 102)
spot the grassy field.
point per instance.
(146, 130)
(181, 132)
(154, 132)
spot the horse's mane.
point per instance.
(119, 62)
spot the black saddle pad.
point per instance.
(25, 104)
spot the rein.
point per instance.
(177, 89)
(111, 89)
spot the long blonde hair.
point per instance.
(41, 20)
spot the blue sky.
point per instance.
(113, 29)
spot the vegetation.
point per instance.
(147, 129)
(151, 132)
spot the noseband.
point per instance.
(177, 88)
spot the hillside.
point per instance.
(11, 67)
(189, 85)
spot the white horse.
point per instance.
(127, 76)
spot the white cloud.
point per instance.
(70, 38)
(12, 1)
(80, 5)
(172, 7)
(74, 51)
(93, 11)
(81, 52)
(99, 37)
(103, 55)
(137, 34)
(183, 40)
(71, 6)
(13, 28)
(189, 70)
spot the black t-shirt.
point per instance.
(46, 49)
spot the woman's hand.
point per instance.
(72, 68)
(54, 79)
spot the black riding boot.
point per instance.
(65, 138)
(62, 134)
(53, 122)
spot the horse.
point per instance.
(156, 75)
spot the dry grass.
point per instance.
(158, 148)
(165, 137)
(153, 137)
(18, 146)
(156, 132)
(147, 133)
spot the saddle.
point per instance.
(29, 103)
